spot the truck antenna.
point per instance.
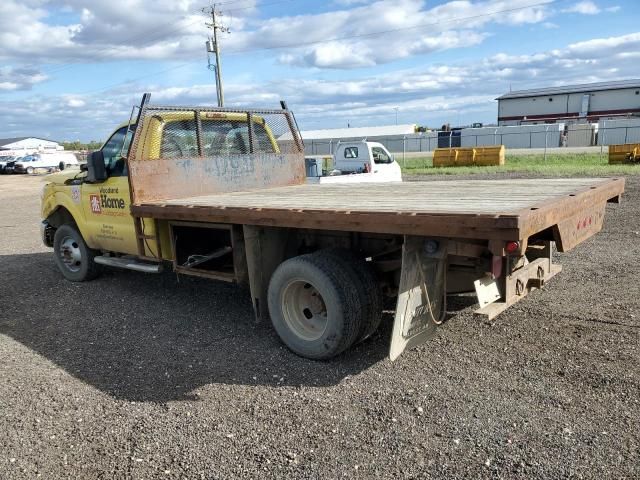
(213, 46)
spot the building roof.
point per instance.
(358, 132)
(581, 88)
(9, 141)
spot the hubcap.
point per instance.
(70, 254)
(304, 310)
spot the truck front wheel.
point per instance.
(313, 306)
(72, 255)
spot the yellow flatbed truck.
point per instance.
(213, 193)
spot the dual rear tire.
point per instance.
(320, 304)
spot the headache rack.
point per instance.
(185, 151)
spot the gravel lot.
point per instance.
(135, 376)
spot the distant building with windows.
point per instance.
(586, 103)
(27, 146)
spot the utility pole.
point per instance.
(214, 47)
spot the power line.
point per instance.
(394, 30)
(252, 6)
(345, 37)
(213, 46)
(158, 33)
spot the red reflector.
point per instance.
(496, 266)
(512, 247)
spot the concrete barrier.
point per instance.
(465, 156)
(625, 153)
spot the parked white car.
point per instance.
(354, 162)
(45, 161)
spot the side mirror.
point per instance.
(96, 171)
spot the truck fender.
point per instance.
(63, 210)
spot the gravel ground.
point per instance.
(134, 376)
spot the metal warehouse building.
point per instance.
(589, 102)
(27, 145)
(321, 142)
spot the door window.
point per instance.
(380, 156)
(114, 149)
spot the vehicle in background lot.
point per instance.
(23, 164)
(45, 161)
(4, 160)
(212, 192)
(354, 162)
(11, 165)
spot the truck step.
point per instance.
(129, 263)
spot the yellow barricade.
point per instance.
(468, 156)
(625, 153)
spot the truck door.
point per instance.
(384, 164)
(106, 205)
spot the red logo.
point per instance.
(94, 201)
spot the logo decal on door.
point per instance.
(75, 194)
(95, 203)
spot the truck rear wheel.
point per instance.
(369, 293)
(313, 305)
(72, 255)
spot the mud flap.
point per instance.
(421, 296)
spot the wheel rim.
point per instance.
(70, 254)
(29, 170)
(304, 310)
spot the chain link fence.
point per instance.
(550, 138)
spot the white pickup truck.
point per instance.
(354, 162)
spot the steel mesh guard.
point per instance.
(187, 151)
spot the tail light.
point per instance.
(512, 247)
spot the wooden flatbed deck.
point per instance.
(487, 209)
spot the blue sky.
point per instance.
(72, 69)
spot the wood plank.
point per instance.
(491, 209)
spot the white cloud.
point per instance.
(603, 47)
(20, 78)
(9, 86)
(431, 94)
(586, 7)
(365, 33)
(75, 102)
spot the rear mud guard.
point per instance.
(421, 297)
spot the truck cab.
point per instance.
(364, 157)
(97, 199)
(355, 162)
